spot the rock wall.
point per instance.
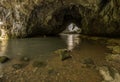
(25, 18)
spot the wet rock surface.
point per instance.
(19, 66)
(63, 53)
(4, 59)
(46, 17)
(39, 64)
(109, 74)
(25, 59)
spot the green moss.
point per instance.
(3, 59)
(64, 54)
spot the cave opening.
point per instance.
(69, 20)
(61, 19)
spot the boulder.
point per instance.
(4, 59)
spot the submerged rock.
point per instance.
(4, 59)
(88, 62)
(25, 59)
(52, 72)
(64, 54)
(19, 66)
(39, 64)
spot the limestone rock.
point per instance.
(25, 18)
(63, 53)
(109, 74)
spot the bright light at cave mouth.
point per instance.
(72, 28)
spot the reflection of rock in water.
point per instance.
(72, 40)
(3, 46)
(1, 71)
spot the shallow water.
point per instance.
(38, 47)
(41, 49)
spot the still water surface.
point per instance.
(38, 47)
(41, 49)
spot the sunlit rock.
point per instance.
(114, 49)
(113, 57)
(109, 74)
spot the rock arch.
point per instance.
(24, 18)
(56, 22)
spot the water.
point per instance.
(38, 47)
(42, 49)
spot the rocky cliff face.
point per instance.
(24, 18)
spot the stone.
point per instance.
(64, 54)
(113, 57)
(39, 64)
(25, 59)
(4, 59)
(88, 61)
(52, 72)
(116, 49)
(109, 74)
(18, 66)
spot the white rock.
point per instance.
(105, 72)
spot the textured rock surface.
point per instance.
(23, 18)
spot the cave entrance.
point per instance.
(62, 19)
(67, 20)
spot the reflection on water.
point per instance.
(72, 40)
(33, 47)
(41, 49)
(3, 47)
(38, 47)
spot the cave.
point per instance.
(49, 17)
(60, 20)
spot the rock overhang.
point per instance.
(37, 17)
